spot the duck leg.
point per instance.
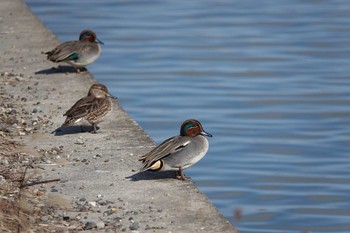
(180, 174)
(94, 126)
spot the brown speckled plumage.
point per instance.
(91, 109)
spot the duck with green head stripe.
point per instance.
(77, 53)
(179, 152)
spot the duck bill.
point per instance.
(111, 96)
(206, 134)
(100, 42)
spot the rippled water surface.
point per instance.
(269, 79)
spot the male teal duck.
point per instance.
(77, 53)
(179, 152)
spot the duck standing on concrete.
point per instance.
(77, 53)
(91, 109)
(179, 152)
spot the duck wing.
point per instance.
(81, 109)
(66, 51)
(166, 148)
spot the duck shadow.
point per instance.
(60, 131)
(60, 69)
(149, 175)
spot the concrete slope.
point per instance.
(100, 188)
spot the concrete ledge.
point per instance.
(99, 182)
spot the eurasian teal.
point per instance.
(77, 53)
(91, 109)
(179, 152)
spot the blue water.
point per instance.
(269, 79)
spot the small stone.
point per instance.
(35, 110)
(45, 218)
(90, 225)
(66, 218)
(100, 225)
(28, 129)
(79, 142)
(54, 190)
(4, 162)
(92, 203)
(103, 203)
(53, 152)
(2, 180)
(109, 212)
(134, 226)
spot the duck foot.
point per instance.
(81, 70)
(94, 131)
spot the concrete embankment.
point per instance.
(99, 186)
